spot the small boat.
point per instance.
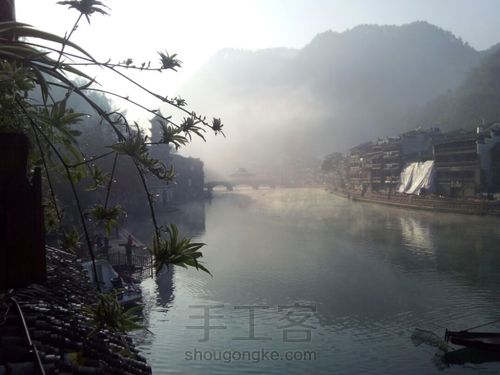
(463, 356)
(489, 341)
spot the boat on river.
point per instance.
(488, 341)
(464, 356)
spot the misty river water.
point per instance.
(305, 282)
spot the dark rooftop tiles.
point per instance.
(59, 328)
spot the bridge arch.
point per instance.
(230, 185)
(213, 184)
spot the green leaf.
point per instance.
(137, 148)
(71, 241)
(169, 61)
(107, 217)
(171, 135)
(99, 178)
(86, 7)
(176, 251)
(107, 313)
(27, 31)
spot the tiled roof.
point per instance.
(59, 327)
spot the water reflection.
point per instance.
(189, 218)
(416, 236)
(374, 274)
(165, 284)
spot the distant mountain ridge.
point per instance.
(475, 102)
(337, 91)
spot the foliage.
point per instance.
(107, 217)
(171, 135)
(332, 162)
(176, 251)
(217, 126)
(34, 62)
(472, 104)
(334, 168)
(70, 241)
(107, 313)
(169, 62)
(51, 216)
(136, 146)
(86, 7)
(189, 126)
(100, 179)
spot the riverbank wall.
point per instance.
(439, 204)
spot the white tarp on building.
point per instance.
(417, 176)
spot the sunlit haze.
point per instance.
(278, 187)
(197, 30)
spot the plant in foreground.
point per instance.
(33, 60)
(109, 314)
(176, 250)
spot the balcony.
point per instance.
(464, 163)
(456, 168)
(455, 150)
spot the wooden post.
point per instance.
(22, 239)
(8, 14)
(7, 10)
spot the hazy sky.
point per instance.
(196, 29)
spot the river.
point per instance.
(305, 282)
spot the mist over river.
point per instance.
(305, 282)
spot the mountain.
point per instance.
(475, 102)
(339, 90)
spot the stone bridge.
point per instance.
(230, 185)
(239, 178)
